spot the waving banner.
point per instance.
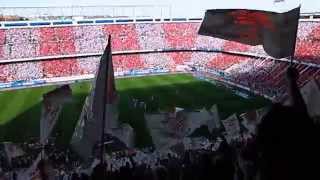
(276, 32)
(51, 109)
(232, 127)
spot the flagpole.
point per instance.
(104, 110)
(43, 143)
(103, 130)
(103, 123)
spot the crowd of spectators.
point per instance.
(47, 41)
(282, 146)
(89, 39)
(69, 40)
(307, 48)
(63, 159)
(124, 37)
(65, 162)
(151, 36)
(209, 157)
(224, 61)
(261, 74)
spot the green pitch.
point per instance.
(20, 109)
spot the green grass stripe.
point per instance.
(16, 102)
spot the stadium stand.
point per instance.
(89, 39)
(124, 36)
(308, 42)
(176, 35)
(72, 40)
(46, 41)
(173, 45)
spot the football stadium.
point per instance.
(123, 90)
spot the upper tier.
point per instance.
(29, 42)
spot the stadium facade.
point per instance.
(85, 12)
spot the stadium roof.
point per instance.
(178, 7)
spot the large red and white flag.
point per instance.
(51, 109)
(276, 32)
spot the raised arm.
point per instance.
(295, 97)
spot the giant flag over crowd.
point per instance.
(275, 31)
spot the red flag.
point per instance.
(275, 31)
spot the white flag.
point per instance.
(85, 134)
(162, 137)
(232, 126)
(215, 122)
(250, 121)
(311, 96)
(12, 151)
(51, 109)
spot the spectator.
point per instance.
(286, 139)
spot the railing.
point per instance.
(99, 21)
(115, 53)
(146, 10)
(22, 84)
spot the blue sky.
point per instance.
(179, 7)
